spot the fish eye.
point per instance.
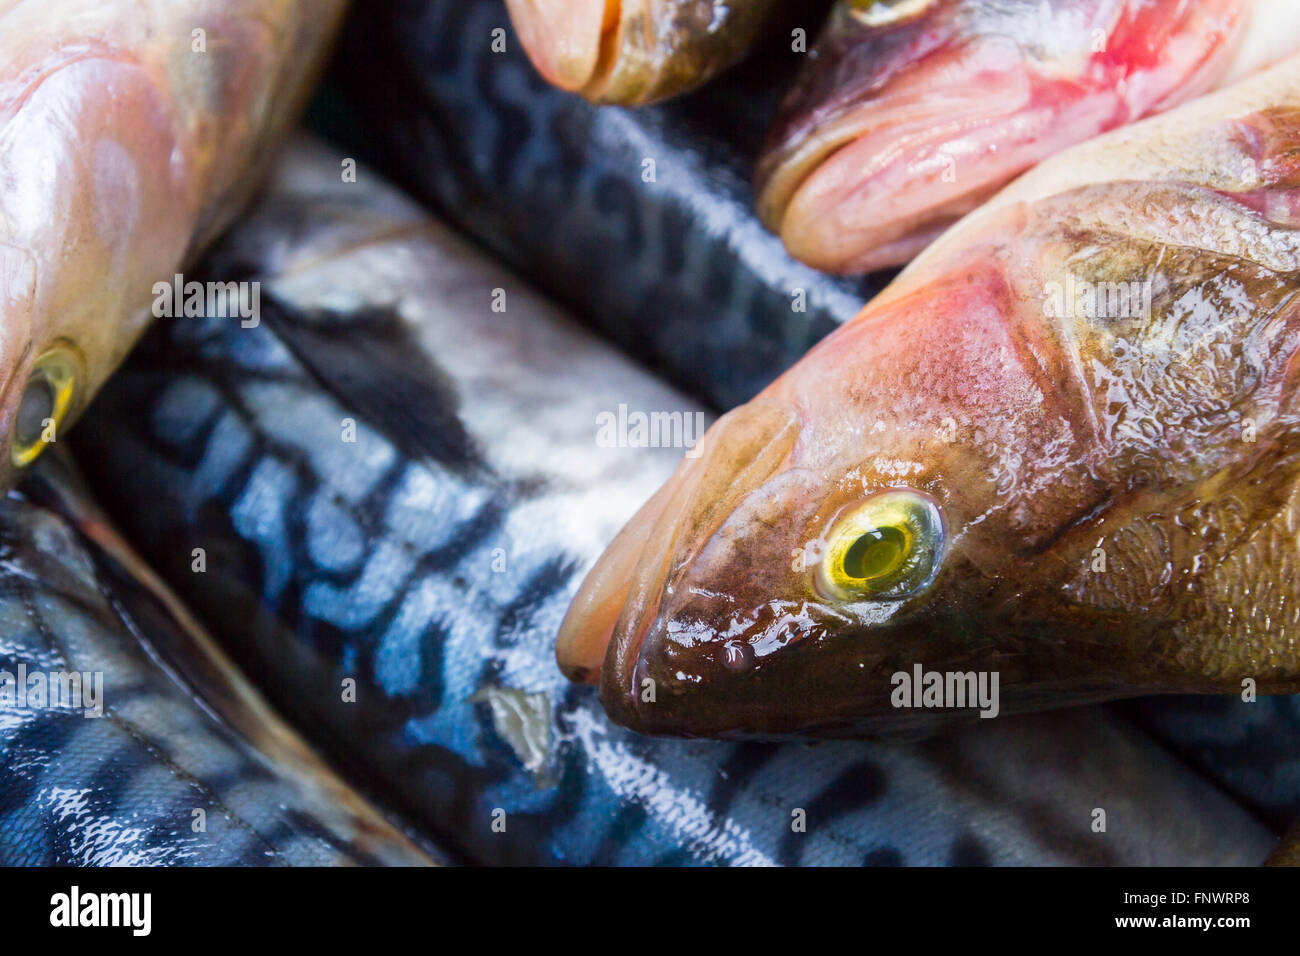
(46, 401)
(887, 548)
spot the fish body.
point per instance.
(400, 598)
(145, 759)
(1060, 448)
(910, 113)
(640, 220)
(129, 133)
(636, 51)
(1249, 748)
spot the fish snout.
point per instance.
(623, 592)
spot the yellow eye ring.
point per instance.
(889, 547)
(47, 399)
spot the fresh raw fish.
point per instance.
(126, 737)
(429, 562)
(910, 113)
(1061, 450)
(129, 134)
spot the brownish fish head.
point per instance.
(888, 503)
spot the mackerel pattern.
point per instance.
(157, 779)
(396, 588)
(1249, 748)
(676, 270)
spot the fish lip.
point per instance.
(785, 201)
(898, 116)
(602, 635)
(588, 627)
(570, 42)
(744, 449)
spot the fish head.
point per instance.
(125, 145)
(913, 112)
(97, 205)
(633, 52)
(900, 497)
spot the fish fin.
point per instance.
(370, 362)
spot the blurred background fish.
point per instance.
(641, 221)
(130, 132)
(637, 51)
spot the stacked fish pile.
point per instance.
(422, 540)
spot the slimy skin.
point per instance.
(634, 52)
(129, 133)
(1115, 482)
(910, 113)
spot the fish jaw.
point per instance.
(635, 52)
(734, 456)
(854, 198)
(588, 626)
(565, 39)
(900, 129)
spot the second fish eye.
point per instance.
(887, 548)
(46, 401)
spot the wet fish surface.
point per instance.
(910, 113)
(129, 134)
(677, 271)
(637, 51)
(430, 560)
(1059, 448)
(132, 764)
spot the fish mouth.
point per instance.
(570, 42)
(600, 640)
(872, 186)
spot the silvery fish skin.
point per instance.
(678, 271)
(162, 773)
(1060, 447)
(1249, 748)
(129, 134)
(910, 113)
(435, 576)
(634, 52)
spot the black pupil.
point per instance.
(36, 406)
(875, 553)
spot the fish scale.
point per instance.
(127, 787)
(441, 647)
